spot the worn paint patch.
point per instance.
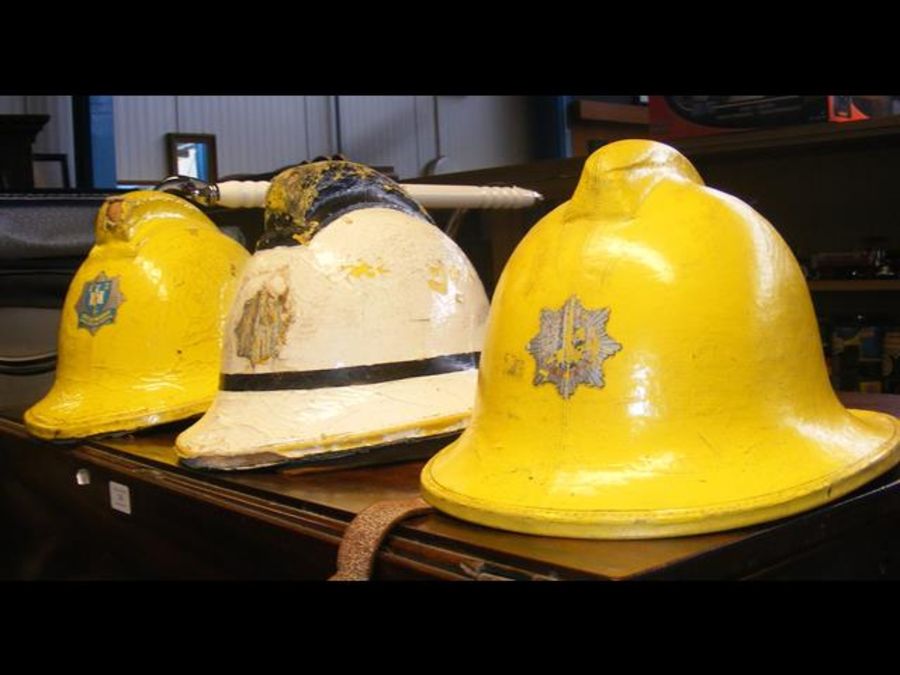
(437, 277)
(571, 346)
(263, 325)
(115, 209)
(513, 365)
(440, 276)
(364, 269)
(99, 302)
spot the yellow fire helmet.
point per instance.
(652, 368)
(141, 328)
(358, 324)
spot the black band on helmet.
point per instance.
(345, 377)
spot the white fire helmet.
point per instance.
(358, 324)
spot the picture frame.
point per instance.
(50, 170)
(126, 184)
(192, 155)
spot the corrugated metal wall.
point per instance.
(261, 133)
(12, 105)
(253, 133)
(381, 130)
(141, 124)
(483, 131)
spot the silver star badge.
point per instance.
(571, 347)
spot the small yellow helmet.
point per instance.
(358, 324)
(652, 367)
(141, 328)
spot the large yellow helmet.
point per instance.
(358, 324)
(141, 328)
(652, 367)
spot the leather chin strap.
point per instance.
(363, 537)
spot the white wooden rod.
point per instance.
(247, 194)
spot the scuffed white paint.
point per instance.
(375, 286)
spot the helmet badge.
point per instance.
(263, 325)
(571, 346)
(100, 300)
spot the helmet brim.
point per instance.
(250, 429)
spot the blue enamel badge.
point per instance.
(99, 302)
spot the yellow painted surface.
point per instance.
(361, 269)
(714, 409)
(437, 277)
(158, 360)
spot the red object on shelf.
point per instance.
(674, 117)
(685, 116)
(848, 108)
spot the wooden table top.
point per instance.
(341, 494)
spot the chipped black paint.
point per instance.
(306, 198)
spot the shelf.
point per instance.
(853, 285)
(597, 111)
(556, 178)
(874, 132)
(825, 187)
